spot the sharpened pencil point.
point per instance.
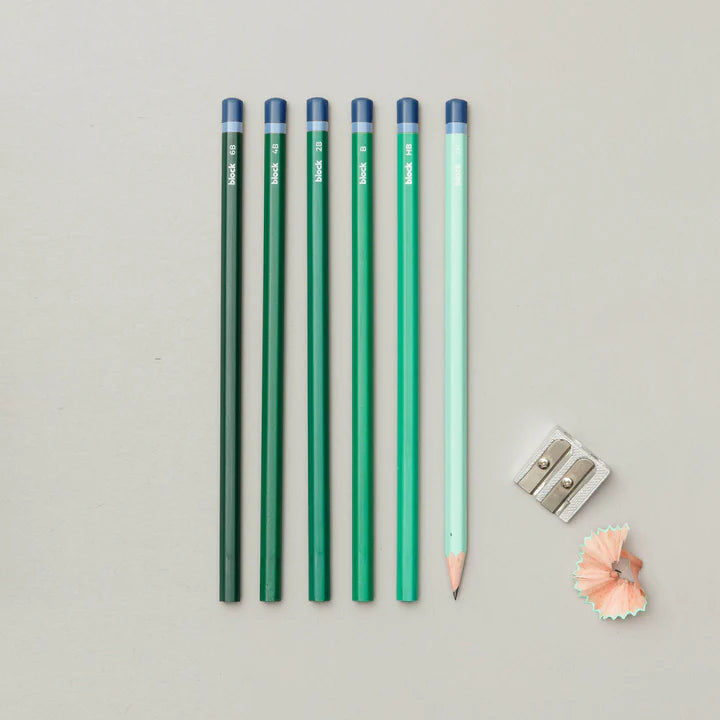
(455, 569)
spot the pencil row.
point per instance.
(362, 348)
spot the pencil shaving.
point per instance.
(607, 575)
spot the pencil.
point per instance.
(272, 362)
(455, 339)
(317, 339)
(231, 230)
(362, 350)
(407, 407)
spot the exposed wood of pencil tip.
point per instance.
(456, 563)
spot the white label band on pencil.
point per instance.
(362, 127)
(275, 128)
(317, 125)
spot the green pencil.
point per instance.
(231, 224)
(362, 349)
(455, 339)
(407, 420)
(272, 362)
(317, 329)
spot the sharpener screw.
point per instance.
(567, 483)
(543, 463)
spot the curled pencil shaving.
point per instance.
(606, 575)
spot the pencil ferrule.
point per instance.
(232, 126)
(407, 127)
(317, 125)
(456, 128)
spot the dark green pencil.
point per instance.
(272, 362)
(362, 349)
(317, 332)
(231, 224)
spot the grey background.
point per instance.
(593, 304)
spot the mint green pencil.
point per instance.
(455, 339)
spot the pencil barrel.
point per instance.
(455, 343)
(318, 400)
(230, 318)
(272, 368)
(408, 410)
(362, 368)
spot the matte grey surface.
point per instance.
(594, 179)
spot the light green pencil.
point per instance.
(455, 339)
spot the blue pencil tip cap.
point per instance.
(232, 110)
(407, 110)
(362, 110)
(317, 109)
(275, 110)
(456, 111)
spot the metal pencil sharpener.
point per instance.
(562, 474)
